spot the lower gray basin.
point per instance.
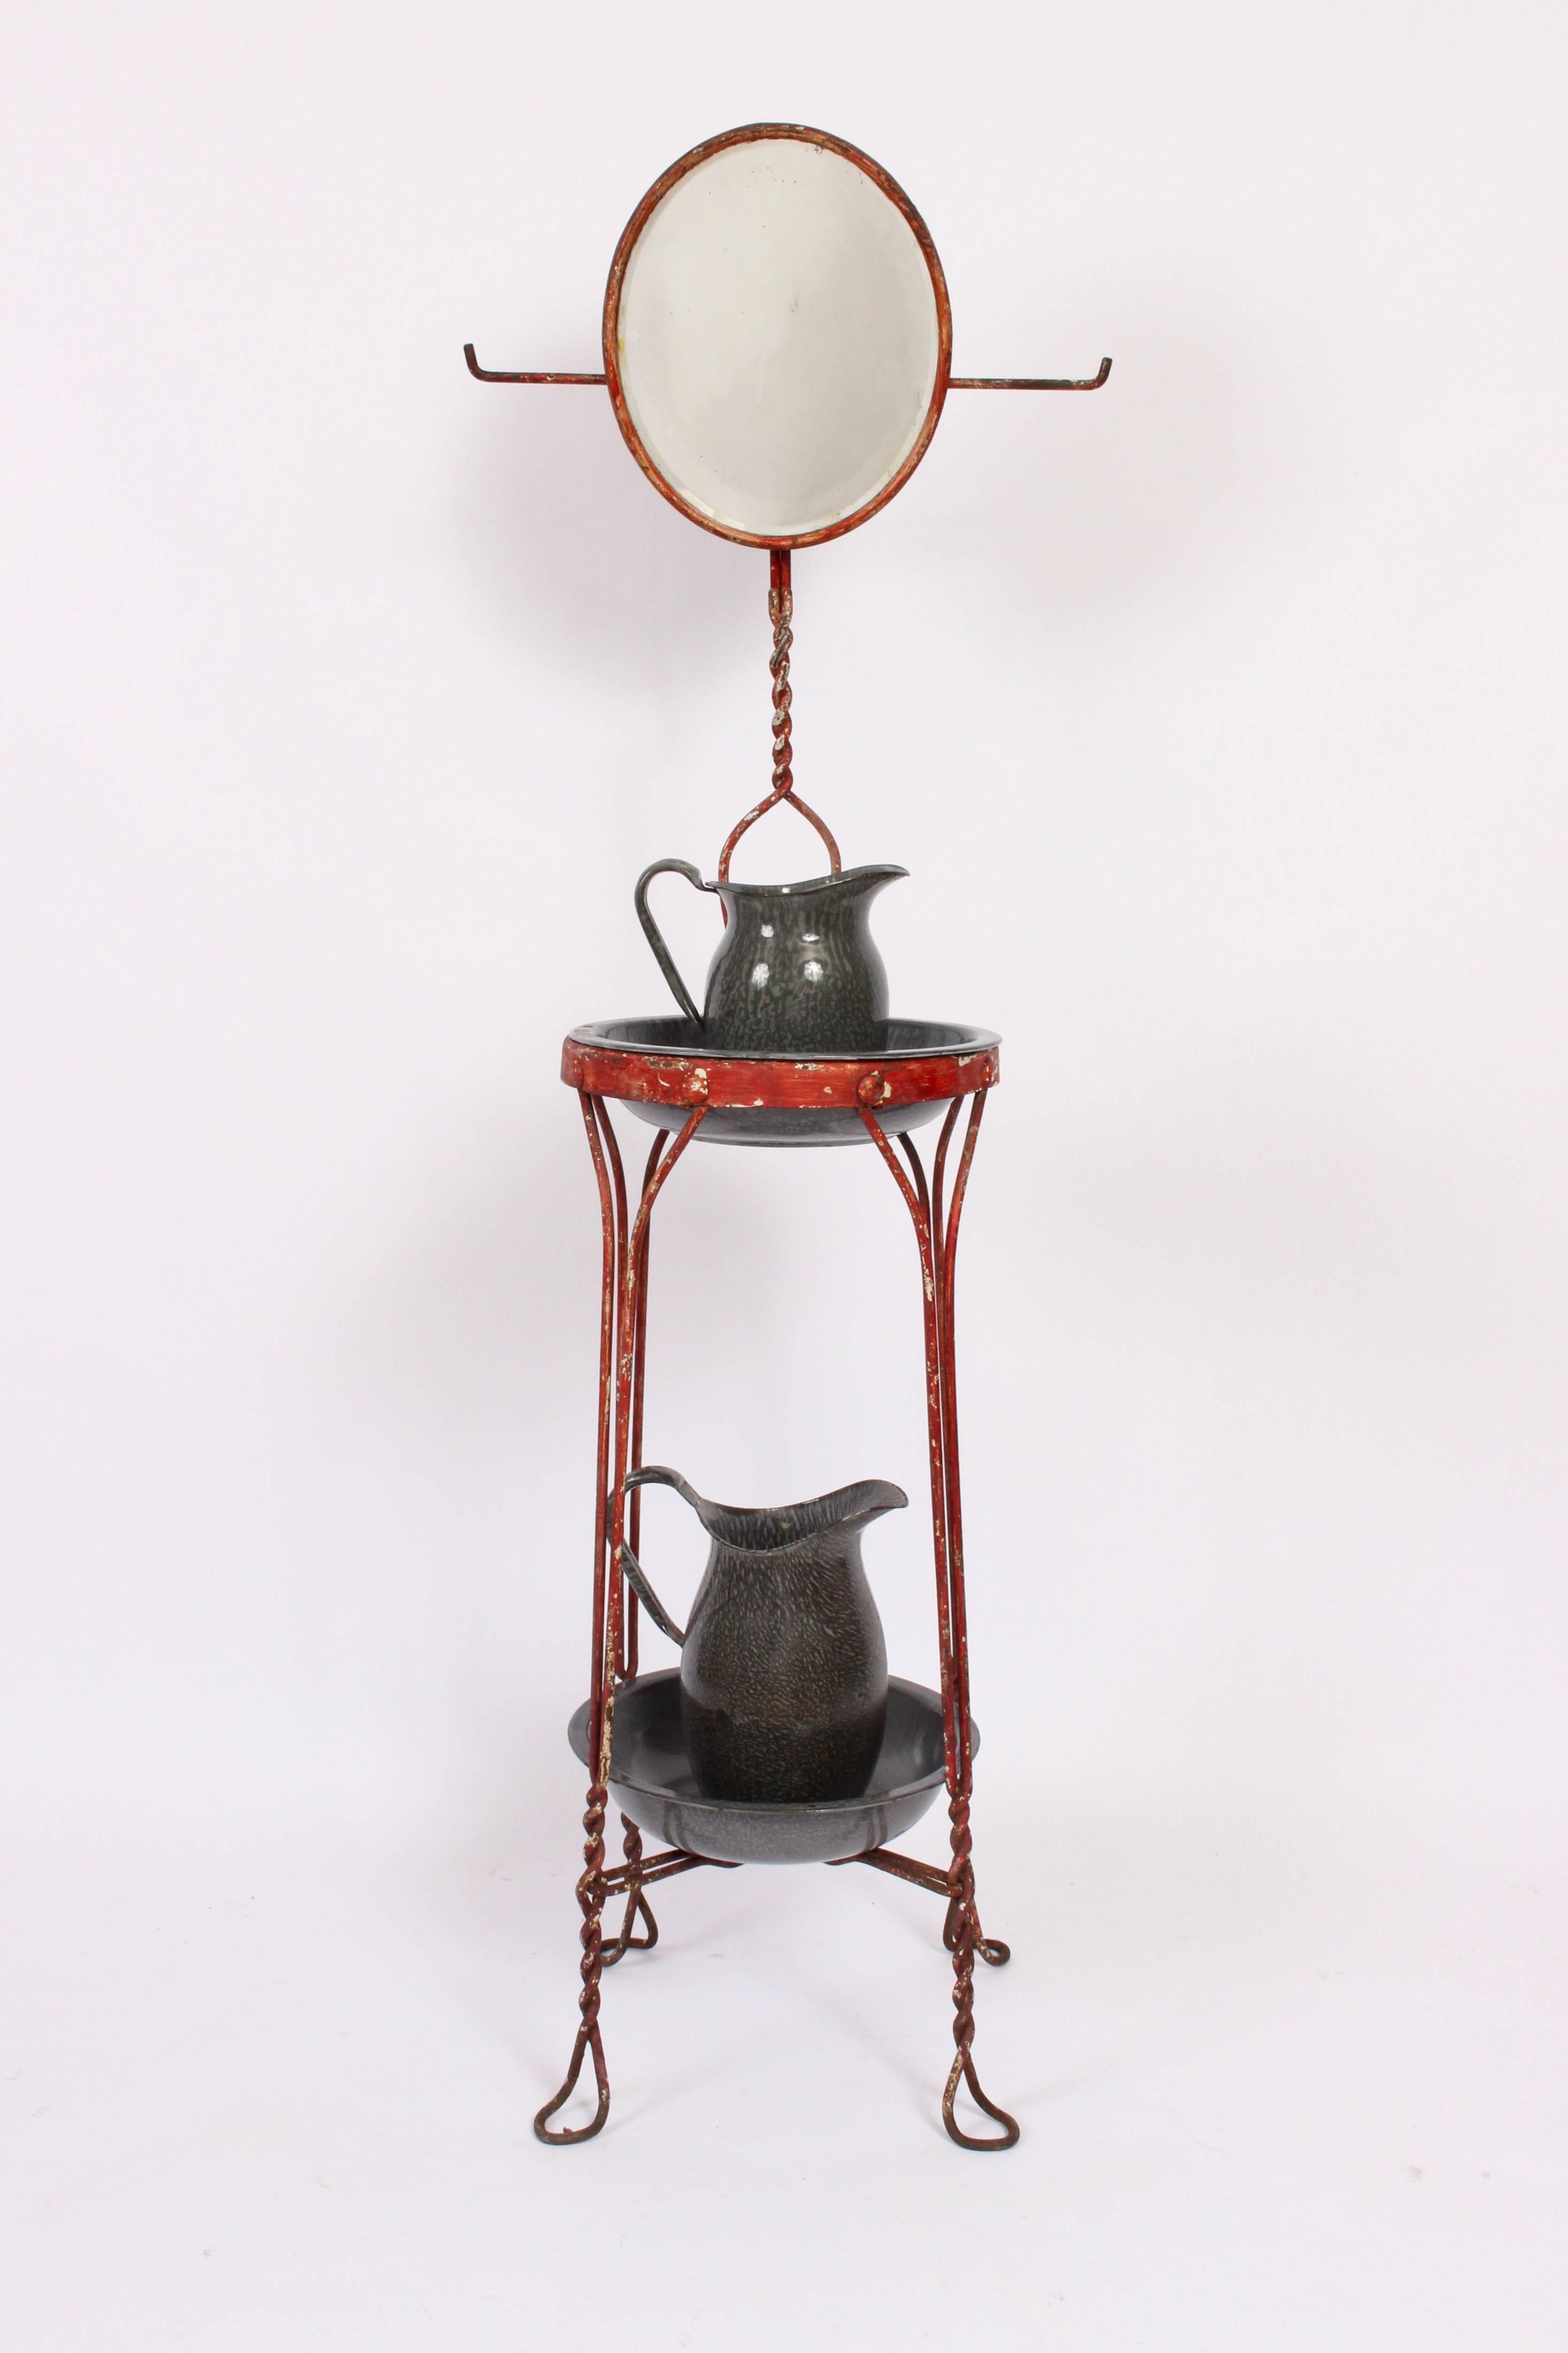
(651, 1780)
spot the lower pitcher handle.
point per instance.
(655, 937)
(653, 1474)
(649, 1597)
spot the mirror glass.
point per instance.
(778, 338)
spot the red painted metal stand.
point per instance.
(694, 1087)
(694, 1084)
(601, 1075)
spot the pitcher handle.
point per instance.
(655, 1474)
(655, 937)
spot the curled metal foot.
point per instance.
(591, 1902)
(991, 1949)
(963, 2072)
(587, 2040)
(961, 1934)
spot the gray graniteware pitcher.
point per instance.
(783, 1670)
(796, 970)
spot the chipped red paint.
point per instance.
(691, 1085)
(731, 1083)
(602, 1074)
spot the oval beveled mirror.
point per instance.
(777, 335)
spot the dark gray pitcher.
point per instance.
(783, 1670)
(796, 969)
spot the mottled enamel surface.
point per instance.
(651, 1782)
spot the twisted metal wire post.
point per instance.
(961, 1914)
(938, 1244)
(781, 612)
(590, 1890)
(625, 1263)
(591, 1898)
(963, 1918)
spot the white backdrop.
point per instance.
(1219, 718)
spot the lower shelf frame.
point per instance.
(614, 1657)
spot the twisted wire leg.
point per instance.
(636, 1902)
(781, 612)
(623, 1262)
(591, 1898)
(965, 1921)
(938, 1241)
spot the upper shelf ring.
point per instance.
(777, 335)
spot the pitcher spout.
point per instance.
(867, 1499)
(776, 1527)
(772, 1527)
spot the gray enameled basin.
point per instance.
(651, 1780)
